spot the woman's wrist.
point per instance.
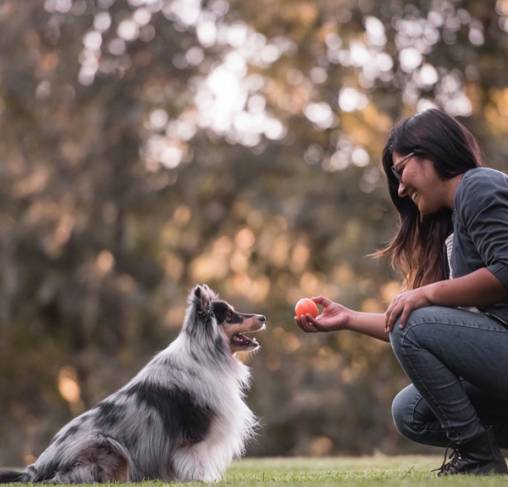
(353, 320)
(431, 292)
(371, 324)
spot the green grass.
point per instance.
(411, 471)
(362, 471)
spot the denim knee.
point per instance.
(414, 420)
(402, 411)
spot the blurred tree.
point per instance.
(151, 144)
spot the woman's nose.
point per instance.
(402, 190)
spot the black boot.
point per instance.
(478, 456)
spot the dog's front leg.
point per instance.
(195, 463)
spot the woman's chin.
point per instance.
(422, 207)
(427, 210)
(424, 210)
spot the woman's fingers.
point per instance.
(392, 313)
(387, 319)
(396, 310)
(321, 300)
(304, 323)
(403, 305)
(406, 311)
(388, 313)
(388, 325)
(314, 322)
(298, 321)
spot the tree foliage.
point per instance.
(151, 144)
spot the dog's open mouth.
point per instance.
(241, 341)
(238, 329)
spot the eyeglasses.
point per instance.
(397, 171)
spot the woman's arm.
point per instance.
(335, 316)
(371, 324)
(479, 288)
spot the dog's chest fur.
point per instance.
(231, 424)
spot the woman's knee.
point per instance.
(414, 419)
(411, 414)
(402, 410)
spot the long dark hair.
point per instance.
(418, 247)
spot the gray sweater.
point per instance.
(480, 229)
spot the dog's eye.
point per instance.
(229, 316)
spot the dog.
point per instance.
(181, 418)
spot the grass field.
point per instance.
(411, 471)
(363, 471)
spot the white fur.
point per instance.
(234, 425)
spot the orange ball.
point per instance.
(306, 306)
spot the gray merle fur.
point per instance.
(182, 417)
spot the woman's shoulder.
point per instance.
(486, 174)
(481, 185)
(483, 179)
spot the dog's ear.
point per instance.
(202, 296)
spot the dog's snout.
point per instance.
(261, 318)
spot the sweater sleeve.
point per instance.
(483, 207)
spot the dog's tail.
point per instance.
(11, 476)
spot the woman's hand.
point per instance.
(403, 304)
(333, 316)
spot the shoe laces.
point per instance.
(452, 457)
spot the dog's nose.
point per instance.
(262, 318)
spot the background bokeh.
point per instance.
(148, 145)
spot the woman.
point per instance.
(449, 329)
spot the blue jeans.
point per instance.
(457, 362)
